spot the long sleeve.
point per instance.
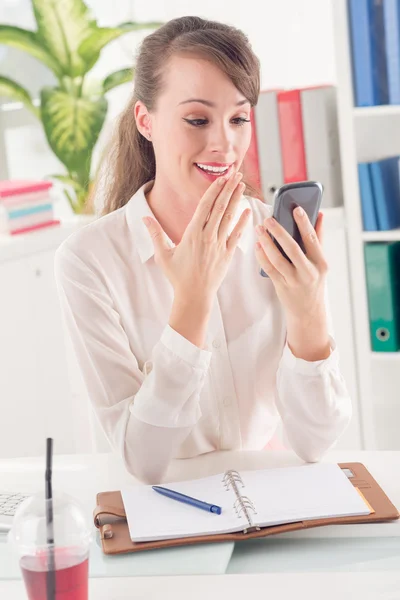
(146, 414)
(313, 401)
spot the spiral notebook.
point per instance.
(250, 500)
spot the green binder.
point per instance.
(382, 263)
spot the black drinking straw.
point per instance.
(51, 575)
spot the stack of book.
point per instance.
(25, 206)
(374, 28)
(380, 194)
(295, 138)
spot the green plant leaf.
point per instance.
(28, 42)
(80, 192)
(80, 196)
(62, 26)
(72, 126)
(67, 180)
(117, 78)
(91, 47)
(71, 183)
(13, 90)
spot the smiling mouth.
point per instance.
(213, 170)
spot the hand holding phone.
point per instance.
(308, 195)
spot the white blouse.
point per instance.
(157, 395)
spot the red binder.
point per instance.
(251, 162)
(292, 136)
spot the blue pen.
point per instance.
(187, 499)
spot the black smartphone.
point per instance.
(308, 195)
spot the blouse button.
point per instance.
(216, 343)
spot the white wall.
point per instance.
(293, 38)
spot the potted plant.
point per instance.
(68, 41)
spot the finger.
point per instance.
(288, 244)
(319, 228)
(237, 231)
(157, 234)
(309, 236)
(281, 264)
(266, 265)
(218, 210)
(230, 211)
(205, 205)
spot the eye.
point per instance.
(240, 121)
(196, 122)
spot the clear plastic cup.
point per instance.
(62, 566)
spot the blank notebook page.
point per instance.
(152, 516)
(281, 495)
(315, 491)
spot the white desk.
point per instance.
(355, 547)
(299, 586)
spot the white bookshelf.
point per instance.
(366, 134)
(386, 357)
(381, 236)
(377, 131)
(377, 112)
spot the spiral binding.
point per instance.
(242, 503)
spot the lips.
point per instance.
(212, 175)
(219, 169)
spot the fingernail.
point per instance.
(299, 211)
(147, 221)
(271, 222)
(259, 230)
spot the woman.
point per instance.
(183, 346)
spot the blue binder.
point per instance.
(391, 14)
(368, 52)
(370, 222)
(386, 190)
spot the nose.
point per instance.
(221, 139)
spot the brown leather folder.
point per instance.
(110, 518)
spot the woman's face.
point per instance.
(200, 127)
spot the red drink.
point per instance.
(71, 575)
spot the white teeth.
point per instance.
(212, 169)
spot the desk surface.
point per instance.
(335, 548)
(302, 586)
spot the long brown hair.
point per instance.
(130, 161)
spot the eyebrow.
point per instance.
(211, 104)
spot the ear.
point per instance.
(143, 120)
